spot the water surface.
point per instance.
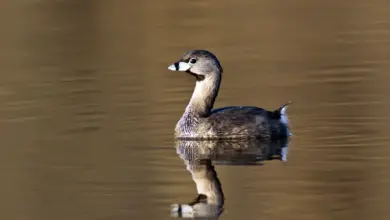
(88, 106)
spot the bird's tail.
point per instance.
(283, 114)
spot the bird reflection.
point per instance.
(200, 158)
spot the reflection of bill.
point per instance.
(200, 210)
(199, 157)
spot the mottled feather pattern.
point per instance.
(232, 123)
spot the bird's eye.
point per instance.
(192, 60)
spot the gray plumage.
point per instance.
(200, 121)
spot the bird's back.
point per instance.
(240, 122)
(236, 122)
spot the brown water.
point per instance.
(87, 106)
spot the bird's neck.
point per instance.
(204, 95)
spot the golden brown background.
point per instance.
(87, 106)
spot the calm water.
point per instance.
(88, 107)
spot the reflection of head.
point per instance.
(207, 182)
(210, 199)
